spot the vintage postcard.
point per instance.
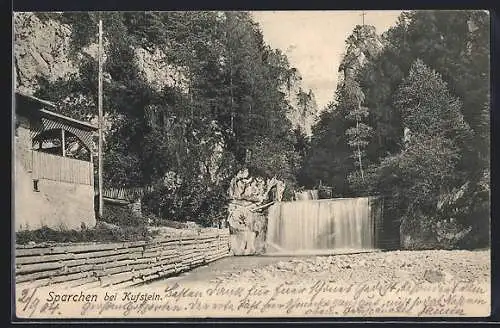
(230, 164)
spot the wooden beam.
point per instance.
(116, 201)
(261, 206)
(68, 120)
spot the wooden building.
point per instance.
(54, 171)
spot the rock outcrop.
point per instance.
(247, 211)
(160, 75)
(303, 111)
(40, 50)
(447, 229)
(307, 195)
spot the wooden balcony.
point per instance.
(64, 169)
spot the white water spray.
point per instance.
(318, 225)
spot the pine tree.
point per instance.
(357, 135)
(428, 108)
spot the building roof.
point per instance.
(43, 104)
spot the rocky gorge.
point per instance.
(43, 51)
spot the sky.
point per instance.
(314, 42)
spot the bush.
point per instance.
(190, 201)
(122, 216)
(158, 222)
(98, 234)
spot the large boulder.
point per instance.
(455, 222)
(247, 218)
(247, 230)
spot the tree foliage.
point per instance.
(429, 161)
(431, 79)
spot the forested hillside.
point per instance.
(189, 97)
(410, 122)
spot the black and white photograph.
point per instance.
(251, 164)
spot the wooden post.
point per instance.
(91, 168)
(179, 254)
(101, 203)
(63, 143)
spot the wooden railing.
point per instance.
(58, 168)
(129, 194)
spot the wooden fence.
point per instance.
(58, 168)
(129, 194)
(123, 264)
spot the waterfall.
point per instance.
(327, 224)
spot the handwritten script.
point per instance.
(283, 298)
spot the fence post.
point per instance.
(218, 241)
(179, 251)
(196, 253)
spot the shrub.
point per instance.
(122, 216)
(98, 234)
(191, 201)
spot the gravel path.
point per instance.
(379, 266)
(227, 266)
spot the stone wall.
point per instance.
(58, 205)
(120, 264)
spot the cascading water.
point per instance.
(327, 224)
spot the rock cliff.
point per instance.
(157, 74)
(247, 218)
(40, 50)
(303, 111)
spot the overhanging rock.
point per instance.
(249, 197)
